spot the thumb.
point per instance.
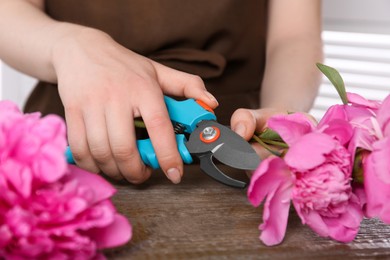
(246, 121)
(243, 122)
(182, 84)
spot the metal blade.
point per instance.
(208, 166)
(230, 148)
(237, 159)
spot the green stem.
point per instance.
(268, 148)
(276, 143)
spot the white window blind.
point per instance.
(363, 61)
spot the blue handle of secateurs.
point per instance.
(188, 113)
(148, 155)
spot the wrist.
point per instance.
(72, 37)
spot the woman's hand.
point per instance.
(246, 122)
(103, 87)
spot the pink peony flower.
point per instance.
(31, 148)
(49, 210)
(359, 113)
(315, 175)
(376, 166)
(371, 123)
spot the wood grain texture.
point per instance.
(202, 219)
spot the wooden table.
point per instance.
(203, 219)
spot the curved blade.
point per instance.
(208, 166)
(230, 148)
(237, 159)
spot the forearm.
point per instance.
(291, 78)
(294, 46)
(28, 38)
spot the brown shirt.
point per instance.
(223, 41)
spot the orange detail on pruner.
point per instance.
(204, 137)
(204, 105)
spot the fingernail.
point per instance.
(174, 175)
(240, 129)
(211, 97)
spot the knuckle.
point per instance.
(123, 153)
(88, 165)
(244, 114)
(72, 108)
(114, 174)
(167, 160)
(91, 168)
(138, 176)
(157, 120)
(100, 154)
(241, 112)
(136, 180)
(198, 81)
(142, 82)
(79, 155)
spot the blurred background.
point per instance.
(356, 36)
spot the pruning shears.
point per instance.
(198, 134)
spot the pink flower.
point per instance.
(376, 166)
(371, 124)
(49, 210)
(315, 175)
(31, 148)
(359, 113)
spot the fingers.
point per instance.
(121, 136)
(78, 140)
(243, 122)
(97, 137)
(161, 133)
(178, 83)
(246, 121)
(103, 141)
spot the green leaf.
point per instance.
(334, 76)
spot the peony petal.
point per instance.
(275, 215)
(312, 147)
(272, 180)
(353, 215)
(361, 139)
(118, 233)
(5, 235)
(50, 165)
(359, 100)
(268, 176)
(51, 129)
(291, 127)
(313, 220)
(333, 112)
(103, 189)
(18, 176)
(346, 227)
(379, 162)
(340, 130)
(377, 193)
(383, 116)
(7, 106)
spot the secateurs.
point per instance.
(199, 134)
